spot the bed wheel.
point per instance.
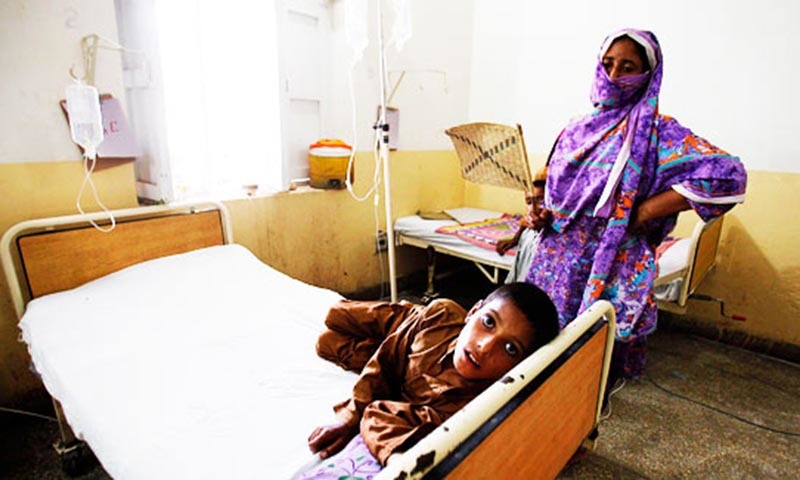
(76, 459)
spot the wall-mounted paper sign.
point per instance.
(118, 140)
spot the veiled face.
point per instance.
(622, 59)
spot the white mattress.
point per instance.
(675, 258)
(200, 365)
(425, 230)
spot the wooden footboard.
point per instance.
(528, 424)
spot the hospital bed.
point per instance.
(682, 263)
(419, 232)
(175, 353)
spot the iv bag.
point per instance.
(401, 28)
(355, 21)
(85, 119)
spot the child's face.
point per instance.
(534, 200)
(495, 337)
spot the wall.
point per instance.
(726, 76)
(326, 238)
(44, 189)
(40, 42)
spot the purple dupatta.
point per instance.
(602, 166)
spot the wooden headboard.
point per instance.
(54, 254)
(705, 255)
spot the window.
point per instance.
(236, 92)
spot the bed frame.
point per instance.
(492, 270)
(538, 415)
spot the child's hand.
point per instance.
(505, 245)
(329, 439)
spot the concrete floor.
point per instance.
(703, 410)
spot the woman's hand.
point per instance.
(537, 216)
(329, 439)
(660, 205)
(639, 216)
(539, 219)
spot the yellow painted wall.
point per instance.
(326, 238)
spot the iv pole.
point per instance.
(383, 143)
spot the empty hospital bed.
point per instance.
(174, 353)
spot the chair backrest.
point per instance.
(492, 154)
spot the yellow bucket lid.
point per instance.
(330, 147)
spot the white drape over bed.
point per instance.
(199, 365)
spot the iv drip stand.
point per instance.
(383, 142)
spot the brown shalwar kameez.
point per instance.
(408, 385)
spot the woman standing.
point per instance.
(616, 180)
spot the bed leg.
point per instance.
(67, 437)
(76, 457)
(430, 293)
(590, 443)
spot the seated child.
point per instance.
(527, 237)
(420, 364)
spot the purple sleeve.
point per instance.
(712, 180)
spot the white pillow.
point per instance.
(675, 258)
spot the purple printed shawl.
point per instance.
(602, 166)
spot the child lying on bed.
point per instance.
(420, 364)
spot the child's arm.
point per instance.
(392, 425)
(389, 428)
(381, 378)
